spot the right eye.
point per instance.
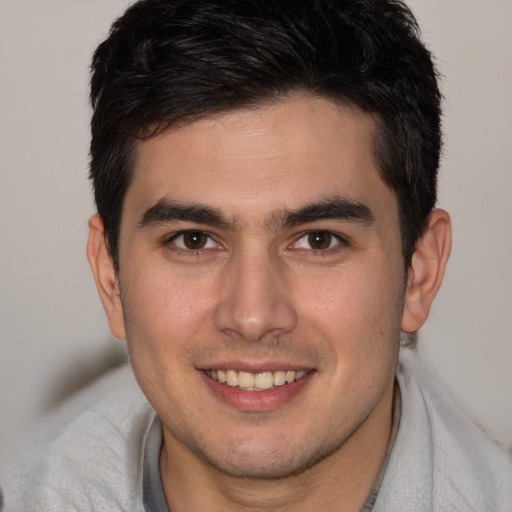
(193, 241)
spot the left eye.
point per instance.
(317, 240)
(193, 241)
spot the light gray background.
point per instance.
(53, 335)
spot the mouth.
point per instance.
(262, 390)
(262, 381)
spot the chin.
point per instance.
(259, 461)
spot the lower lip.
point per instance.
(266, 400)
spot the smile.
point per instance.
(255, 381)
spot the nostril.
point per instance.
(256, 322)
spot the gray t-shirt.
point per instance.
(152, 490)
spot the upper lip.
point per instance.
(255, 366)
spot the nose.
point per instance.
(255, 301)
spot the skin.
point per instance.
(257, 292)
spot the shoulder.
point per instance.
(441, 460)
(88, 455)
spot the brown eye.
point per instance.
(194, 240)
(320, 240)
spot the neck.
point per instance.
(344, 479)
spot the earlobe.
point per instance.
(426, 270)
(105, 276)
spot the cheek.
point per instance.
(351, 299)
(163, 312)
(163, 317)
(357, 311)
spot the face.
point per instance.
(261, 247)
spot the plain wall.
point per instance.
(53, 334)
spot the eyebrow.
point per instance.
(337, 208)
(165, 211)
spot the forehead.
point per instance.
(262, 159)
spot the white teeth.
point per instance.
(256, 382)
(279, 378)
(264, 380)
(290, 376)
(246, 380)
(232, 378)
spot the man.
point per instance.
(265, 177)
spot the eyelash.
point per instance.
(171, 241)
(340, 242)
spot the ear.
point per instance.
(426, 270)
(105, 276)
